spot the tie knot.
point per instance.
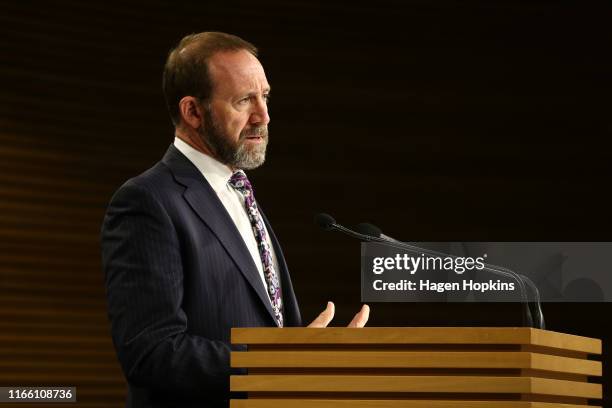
(241, 183)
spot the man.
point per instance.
(187, 251)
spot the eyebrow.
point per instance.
(266, 90)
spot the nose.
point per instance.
(260, 116)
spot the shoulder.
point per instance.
(141, 200)
(156, 184)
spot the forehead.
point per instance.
(235, 72)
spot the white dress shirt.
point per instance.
(218, 174)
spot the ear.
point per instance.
(191, 113)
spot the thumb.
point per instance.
(325, 317)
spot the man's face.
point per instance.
(236, 119)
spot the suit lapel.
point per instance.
(205, 203)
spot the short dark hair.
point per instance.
(186, 71)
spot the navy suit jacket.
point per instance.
(178, 277)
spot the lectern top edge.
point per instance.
(417, 336)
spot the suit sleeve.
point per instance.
(144, 283)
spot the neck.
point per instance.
(194, 140)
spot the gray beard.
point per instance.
(240, 155)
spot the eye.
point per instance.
(244, 100)
(266, 98)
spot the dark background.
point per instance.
(435, 120)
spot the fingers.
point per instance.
(325, 317)
(361, 318)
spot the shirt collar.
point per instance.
(216, 173)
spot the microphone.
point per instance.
(372, 230)
(325, 221)
(328, 223)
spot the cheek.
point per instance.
(237, 124)
(229, 121)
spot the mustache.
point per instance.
(260, 131)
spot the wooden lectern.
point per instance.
(424, 367)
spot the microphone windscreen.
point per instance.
(366, 228)
(324, 221)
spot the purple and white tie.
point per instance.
(241, 183)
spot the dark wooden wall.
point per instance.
(435, 120)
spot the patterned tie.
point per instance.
(241, 183)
